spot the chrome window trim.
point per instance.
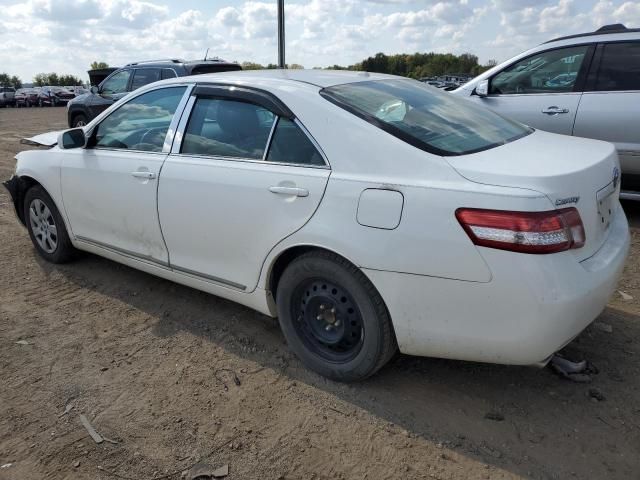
(182, 126)
(276, 121)
(177, 116)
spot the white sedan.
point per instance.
(368, 212)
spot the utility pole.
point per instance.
(281, 62)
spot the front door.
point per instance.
(542, 90)
(111, 90)
(109, 189)
(243, 179)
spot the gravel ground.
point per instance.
(151, 364)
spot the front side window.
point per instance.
(424, 117)
(144, 76)
(226, 128)
(291, 145)
(141, 123)
(555, 71)
(619, 67)
(117, 83)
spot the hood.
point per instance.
(48, 139)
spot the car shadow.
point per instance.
(522, 419)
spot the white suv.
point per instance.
(586, 85)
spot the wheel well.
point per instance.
(24, 184)
(285, 258)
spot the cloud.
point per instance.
(72, 33)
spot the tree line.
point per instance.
(416, 65)
(40, 80)
(419, 65)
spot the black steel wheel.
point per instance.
(328, 321)
(333, 317)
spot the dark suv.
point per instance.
(84, 108)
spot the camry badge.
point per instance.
(564, 201)
(616, 177)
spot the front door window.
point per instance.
(117, 83)
(142, 123)
(554, 71)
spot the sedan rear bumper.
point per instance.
(532, 307)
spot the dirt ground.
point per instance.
(151, 364)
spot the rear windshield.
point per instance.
(427, 118)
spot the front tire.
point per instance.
(79, 121)
(333, 318)
(46, 227)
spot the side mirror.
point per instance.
(74, 138)
(95, 90)
(482, 90)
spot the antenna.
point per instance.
(281, 62)
(206, 53)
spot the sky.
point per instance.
(65, 36)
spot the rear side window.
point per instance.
(168, 73)
(435, 121)
(291, 145)
(144, 76)
(226, 128)
(619, 67)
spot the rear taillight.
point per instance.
(526, 232)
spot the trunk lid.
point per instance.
(570, 171)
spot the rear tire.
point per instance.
(46, 226)
(333, 318)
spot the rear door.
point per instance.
(610, 108)
(242, 175)
(144, 76)
(542, 90)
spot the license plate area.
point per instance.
(605, 199)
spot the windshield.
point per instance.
(434, 121)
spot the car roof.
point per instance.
(616, 28)
(319, 78)
(177, 61)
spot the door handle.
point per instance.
(145, 175)
(555, 110)
(298, 192)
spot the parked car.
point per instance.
(54, 96)
(447, 231)
(26, 97)
(133, 76)
(585, 85)
(7, 96)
